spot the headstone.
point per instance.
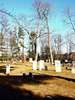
(66, 61)
(0, 53)
(73, 66)
(20, 60)
(30, 60)
(41, 65)
(46, 60)
(57, 66)
(28, 74)
(34, 66)
(8, 69)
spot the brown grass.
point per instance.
(44, 82)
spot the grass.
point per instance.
(59, 86)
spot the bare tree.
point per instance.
(58, 42)
(70, 42)
(4, 32)
(42, 8)
(70, 21)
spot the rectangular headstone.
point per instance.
(34, 65)
(57, 66)
(73, 66)
(8, 69)
(41, 65)
(30, 60)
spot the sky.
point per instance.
(26, 7)
(57, 16)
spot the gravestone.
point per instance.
(8, 69)
(41, 65)
(66, 60)
(73, 67)
(30, 60)
(34, 65)
(28, 74)
(57, 66)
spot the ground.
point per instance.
(18, 86)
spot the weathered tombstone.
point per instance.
(34, 66)
(57, 66)
(8, 69)
(30, 60)
(28, 74)
(73, 66)
(41, 65)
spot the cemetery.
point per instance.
(37, 50)
(54, 82)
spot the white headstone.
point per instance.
(8, 69)
(34, 66)
(30, 60)
(41, 65)
(73, 67)
(57, 66)
(66, 61)
(0, 53)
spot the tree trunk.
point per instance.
(49, 42)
